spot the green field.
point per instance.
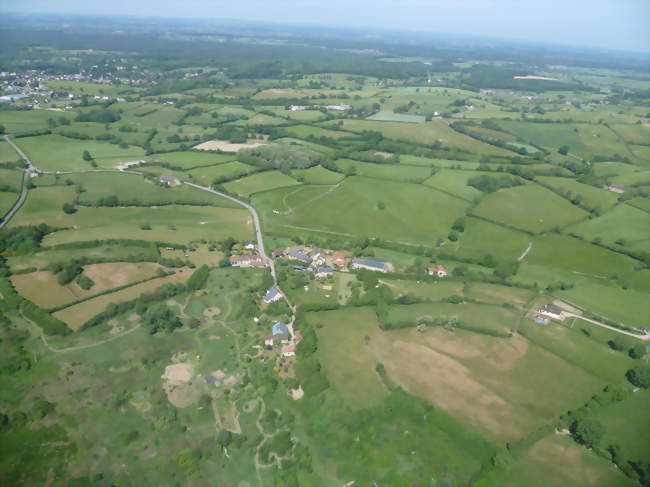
(188, 160)
(394, 172)
(621, 222)
(317, 175)
(306, 131)
(396, 117)
(530, 208)
(455, 182)
(229, 170)
(7, 153)
(411, 213)
(16, 122)
(7, 200)
(259, 182)
(57, 153)
(592, 197)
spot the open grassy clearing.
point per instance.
(626, 424)
(395, 172)
(7, 200)
(44, 258)
(29, 120)
(396, 117)
(444, 163)
(496, 294)
(557, 461)
(425, 133)
(591, 196)
(481, 237)
(529, 207)
(560, 251)
(132, 189)
(77, 315)
(455, 182)
(178, 224)
(57, 153)
(629, 307)
(207, 175)
(190, 159)
(621, 222)
(317, 175)
(42, 288)
(7, 153)
(262, 181)
(582, 344)
(411, 214)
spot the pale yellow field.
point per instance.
(226, 146)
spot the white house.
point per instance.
(552, 312)
(438, 270)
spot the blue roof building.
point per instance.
(272, 294)
(372, 265)
(296, 255)
(280, 331)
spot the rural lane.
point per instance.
(23, 192)
(618, 330)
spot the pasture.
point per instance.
(455, 182)
(411, 213)
(191, 159)
(591, 196)
(57, 153)
(178, 224)
(262, 181)
(621, 222)
(529, 207)
(7, 153)
(42, 288)
(396, 117)
(307, 131)
(7, 200)
(76, 315)
(394, 172)
(317, 175)
(207, 175)
(19, 121)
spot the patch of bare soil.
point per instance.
(180, 372)
(226, 146)
(296, 393)
(449, 384)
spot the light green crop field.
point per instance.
(396, 117)
(230, 170)
(28, 120)
(444, 163)
(496, 294)
(529, 207)
(591, 196)
(611, 169)
(626, 306)
(642, 153)
(133, 189)
(12, 178)
(621, 222)
(551, 135)
(262, 181)
(300, 115)
(481, 237)
(76, 315)
(560, 251)
(626, 425)
(395, 172)
(455, 182)
(188, 160)
(57, 153)
(412, 213)
(635, 134)
(317, 175)
(435, 291)
(303, 131)
(79, 88)
(7, 153)
(633, 179)
(179, 224)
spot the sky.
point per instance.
(614, 24)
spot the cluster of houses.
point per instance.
(320, 262)
(251, 260)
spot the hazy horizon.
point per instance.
(621, 25)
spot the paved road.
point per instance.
(23, 192)
(617, 330)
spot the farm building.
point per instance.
(372, 265)
(280, 331)
(552, 312)
(616, 188)
(318, 257)
(277, 253)
(438, 270)
(272, 295)
(289, 350)
(338, 258)
(246, 261)
(323, 271)
(249, 245)
(169, 181)
(268, 341)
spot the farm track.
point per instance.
(528, 249)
